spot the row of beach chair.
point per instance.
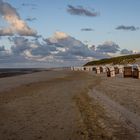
(111, 71)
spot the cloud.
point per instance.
(127, 28)
(31, 49)
(126, 51)
(6, 32)
(16, 24)
(87, 29)
(2, 48)
(31, 19)
(63, 40)
(108, 47)
(71, 48)
(57, 37)
(29, 4)
(4, 54)
(60, 49)
(81, 11)
(21, 44)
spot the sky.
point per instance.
(49, 33)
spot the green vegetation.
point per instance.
(127, 59)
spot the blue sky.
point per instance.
(117, 21)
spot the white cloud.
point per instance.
(59, 35)
(59, 50)
(73, 49)
(125, 51)
(108, 47)
(3, 52)
(16, 24)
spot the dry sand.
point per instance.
(66, 105)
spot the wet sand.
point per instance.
(67, 105)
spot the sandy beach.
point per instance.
(68, 105)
